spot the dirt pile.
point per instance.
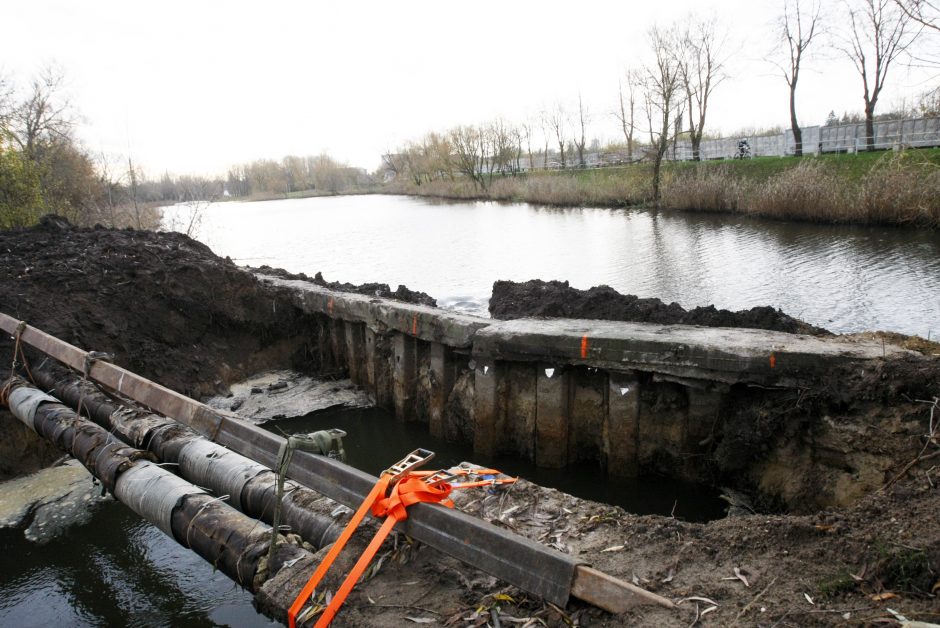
(162, 304)
(557, 299)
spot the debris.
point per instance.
(697, 598)
(881, 597)
(613, 548)
(421, 620)
(809, 599)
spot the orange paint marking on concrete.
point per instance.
(773, 361)
(329, 306)
(584, 347)
(414, 325)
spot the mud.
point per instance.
(46, 503)
(168, 308)
(557, 299)
(280, 394)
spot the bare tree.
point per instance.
(470, 153)
(702, 70)
(627, 113)
(579, 142)
(45, 114)
(557, 120)
(526, 130)
(878, 33)
(133, 176)
(799, 26)
(661, 97)
(923, 12)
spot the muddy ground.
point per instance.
(168, 308)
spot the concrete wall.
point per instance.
(629, 396)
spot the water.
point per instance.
(116, 571)
(376, 440)
(845, 279)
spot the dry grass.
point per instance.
(896, 189)
(900, 189)
(712, 189)
(807, 192)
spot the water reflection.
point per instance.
(842, 278)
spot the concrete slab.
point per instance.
(421, 321)
(710, 353)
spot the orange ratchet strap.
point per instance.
(394, 473)
(407, 487)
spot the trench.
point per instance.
(375, 439)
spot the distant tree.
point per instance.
(580, 141)
(470, 153)
(557, 121)
(832, 119)
(661, 96)
(20, 190)
(878, 32)
(701, 63)
(627, 111)
(44, 116)
(798, 28)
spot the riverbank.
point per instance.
(879, 549)
(879, 188)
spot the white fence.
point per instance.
(843, 138)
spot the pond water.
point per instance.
(842, 278)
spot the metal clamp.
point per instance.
(417, 458)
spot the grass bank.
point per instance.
(879, 188)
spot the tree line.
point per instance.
(668, 97)
(44, 168)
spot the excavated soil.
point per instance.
(168, 308)
(557, 299)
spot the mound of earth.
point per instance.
(162, 304)
(557, 299)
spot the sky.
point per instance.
(196, 87)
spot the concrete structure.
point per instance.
(555, 391)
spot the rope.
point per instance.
(90, 358)
(18, 350)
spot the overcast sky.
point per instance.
(195, 87)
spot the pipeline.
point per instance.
(251, 487)
(232, 542)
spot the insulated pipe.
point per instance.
(250, 486)
(234, 543)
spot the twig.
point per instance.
(406, 607)
(754, 601)
(931, 434)
(920, 458)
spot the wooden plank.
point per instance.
(612, 594)
(517, 560)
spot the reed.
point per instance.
(894, 188)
